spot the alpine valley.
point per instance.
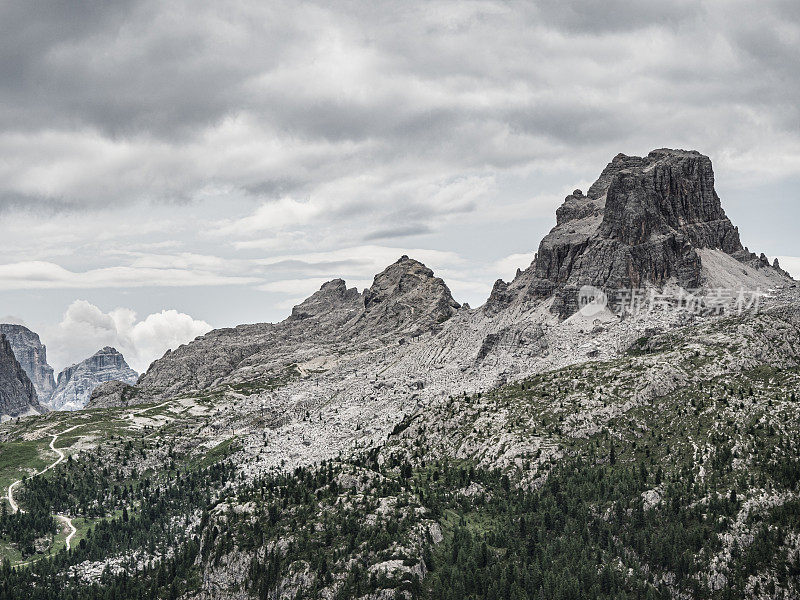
(619, 421)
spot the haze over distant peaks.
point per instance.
(645, 221)
(77, 382)
(32, 356)
(17, 392)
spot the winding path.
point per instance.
(63, 518)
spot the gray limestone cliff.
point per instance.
(332, 297)
(110, 394)
(17, 392)
(405, 298)
(404, 301)
(32, 355)
(645, 221)
(77, 382)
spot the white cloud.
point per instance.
(791, 264)
(507, 267)
(273, 216)
(47, 275)
(12, 320)
(85, 329)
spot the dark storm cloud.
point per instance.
(11, 201)
(398, 232)
(125, 101)
(614, 16)
(127, 68)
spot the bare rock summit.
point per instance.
(647, 220)
(32, 355)
(17, 392)
(405, 300)
(77, 382)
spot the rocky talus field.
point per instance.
(393, 443)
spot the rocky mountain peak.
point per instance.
(576, 207)
(32, 356)
(17, 392)
(76, 383)
(332, 296)
(669, 192)
(399, 278)
(619, 163)
(646, 220)
(405, 300)
(407, 297)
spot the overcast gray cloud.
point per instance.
(156, 148)
(163, 101)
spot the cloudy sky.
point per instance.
(166, 167)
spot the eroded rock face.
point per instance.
(76, 383)
(404, 301)
(332, 297)
(110, 394)
(17, 392)
(646, 221)
(642, 222)
(406, 298)
(32, 355)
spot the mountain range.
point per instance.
(646, 223)
(75, 384)
(618, 421)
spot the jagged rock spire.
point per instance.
(642, 222)
(77, 382)
(32, 355)
(332, 296)
(17, 393)
(407, 297)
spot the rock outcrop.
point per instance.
(111, 394)
(17, 392)
(76, 383)
(643, 222)
(332, 298)
(32, 355)
(404, 301)
(648, 221)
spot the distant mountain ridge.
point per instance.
(405, 300)
(652, 221)
(646, 222)
(74, 386)
(32, 355)
(77, 382)
(17, 392)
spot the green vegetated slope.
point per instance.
(111, 461)
(670, 472)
